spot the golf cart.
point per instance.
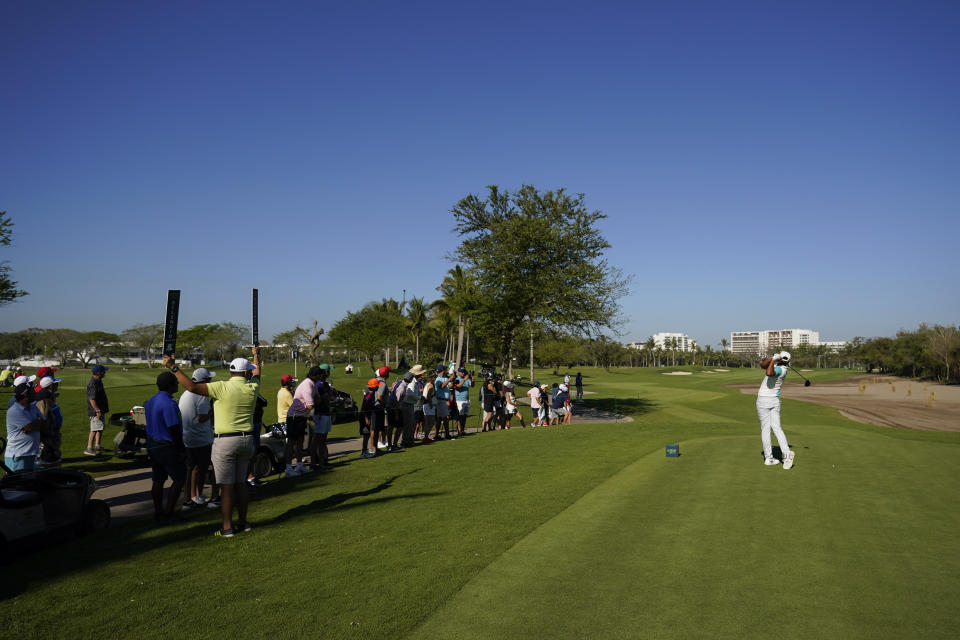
(34, 504)
(132, 438)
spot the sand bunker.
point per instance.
(882, 400)
(677, 373)
(722, 370)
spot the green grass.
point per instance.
(582, 531)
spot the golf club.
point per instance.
(806, 382)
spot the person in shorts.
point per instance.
(322, 419)
(24, 422)
(288, 384)
(534, 394)
(461, 392)
(165, 445)
(416, 390)
(380, 403)
(196, 414)
(511, 407)
(429, 401)
(297, 419)
(488, 399)
(441, 389)
(235, 401)
(366, 419)
(97, 408)
(378, 413)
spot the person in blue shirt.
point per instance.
(24, 422)
(442, 393)
(461, 390)
(165, 445)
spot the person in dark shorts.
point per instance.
(165, 445)
(367, 421)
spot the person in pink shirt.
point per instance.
(297, 417)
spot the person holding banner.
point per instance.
(236, 401)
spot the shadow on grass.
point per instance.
(622, 406)
(48, 557)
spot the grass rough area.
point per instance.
(576, 531)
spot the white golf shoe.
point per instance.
(771, 461)
(788, 460)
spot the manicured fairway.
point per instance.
(581, 531)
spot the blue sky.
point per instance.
(762, 164)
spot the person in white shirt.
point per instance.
(768, 408)
(196, 413)
(534, 395)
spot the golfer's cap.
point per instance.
(440, 368)
(43, 372)
(536, 383)
(326, 367)
(408, 377)
(544, 386)
(373, 383)
(202, 374)
(286, 379)
(416, 370)
(564, 387)
(22, 391)
(508, 384)
(384, 371)
(99, 368)
(784, 356)
(49, 381)
(239, 365)
(462, 370)
(23, 380)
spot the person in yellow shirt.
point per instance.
(285, 396)
(236, 401)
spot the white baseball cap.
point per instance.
(48, 381)
(564, 387)
(784, 356)
(19, 380)
(241, 364)
(201, 374)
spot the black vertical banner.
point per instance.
(170, 323)
(255, 320)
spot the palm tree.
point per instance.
(458, 292)
(416, 322)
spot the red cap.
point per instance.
(43, 372)
(373, 383)
(384, 371)
(286, 379)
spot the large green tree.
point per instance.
(537, 260)
(370, 330)
(8, 288)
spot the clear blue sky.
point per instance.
(762, 164)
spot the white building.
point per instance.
(664, 341)
(760, 342)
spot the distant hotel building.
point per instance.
(757, 342)
(664, 340)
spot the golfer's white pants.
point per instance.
(768, 410)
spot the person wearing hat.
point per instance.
(297, 418)
(441, 388)
(97, 408)
(285, 396)
(233, 410)
(42, 373)
(322, 419)
(768, 408)
(407, 396)
(414, 397)
(165, 445)
(196, 412)
(429, 404)
(558, 406)
(461, 392)
(367, 418)
(380, 402)
(45, 399)
(24, 422)
(6, 376)
(510, 404)
(19, 380)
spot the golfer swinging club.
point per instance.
(768, 408)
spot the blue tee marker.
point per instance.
(673, 450)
